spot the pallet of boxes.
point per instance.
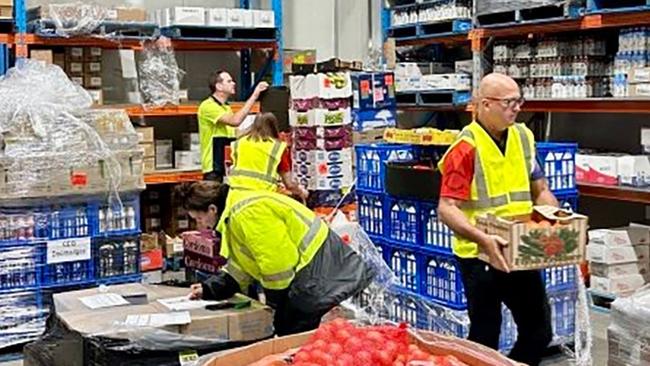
(618, 260)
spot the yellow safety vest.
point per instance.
(255, 164)
(268, 237)
(501, 183)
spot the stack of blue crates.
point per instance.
(57, 245)
(416, 245)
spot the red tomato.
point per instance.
(375, 336)
(319, 344)
(346, 359)
(301, 356)
(335, 349)
(352, 345)
(383, 358)
(343, 335)
(364, 358)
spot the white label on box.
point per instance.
(68, 250)
(76, 67)
(127, 60)
(111, 14)
(95, 67)
(106, 300)
(77, 80)
(602, 254)
(178, 247)
(76, 52)
(158, 320)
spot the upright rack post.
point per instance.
(245, 62)
(20, 24)
(278, 73)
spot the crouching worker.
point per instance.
(303, 266)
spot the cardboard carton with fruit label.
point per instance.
(548, 237)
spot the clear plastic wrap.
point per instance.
(160, 76)
(22, 317)
(628, 335)
(72, 19)
(52, 145)
(382, 301)
(497, 6)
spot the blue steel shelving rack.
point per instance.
(274, 63)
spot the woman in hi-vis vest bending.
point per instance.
(303, 266)
(261, 160)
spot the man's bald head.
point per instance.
(498, 101)
(497, 85)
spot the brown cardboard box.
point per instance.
(93, 68)
(149, 150)
(465, 351)
(6, 12)
(639, 90)
(534, 246)
(125, 14)
(43, 55)
(92, 82)
(91, 54)
(149, 241)
(173, 246)
(152, 224)
(145, 134)
(6, 3)
(98, 96)
(79, 80)
(149, 164)
(59, 60)
(74, 68)
(74, 54)
(247, 324)
(151, 209)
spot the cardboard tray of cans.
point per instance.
(420, 136)
(558, 239)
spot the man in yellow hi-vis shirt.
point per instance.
(492, 168)
(217, 122)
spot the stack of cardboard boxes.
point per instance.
(6, 9)
(82, 64)
(151, 258)
(613, 169)
(84, 67)
(619, 259)
(164, 154)
(213, 17)
(145, 140)
(190, 156)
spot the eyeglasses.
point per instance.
(509, 102)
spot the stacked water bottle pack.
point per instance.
(58, 245)
(416, 245)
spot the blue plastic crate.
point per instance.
(560, 278)
(371, 211)
(437, 236)
(568, 200)
(404, 309)
(559, 160)
(405, 264)
(508, 335)
(115, 220)
(116, 280)
(563, 312)
(116, 257)
(23, 225)
(402, 221)
(371, 163)
(68, 273)
(443, 320)
(71, 221)
(442, 281)
(20, 266)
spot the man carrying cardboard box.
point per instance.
(217, 122)
(492, 168)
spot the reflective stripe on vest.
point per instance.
(232, 268)
(266, 177)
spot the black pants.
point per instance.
(335, 273)
(523, 292)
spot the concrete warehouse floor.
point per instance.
(599, 323)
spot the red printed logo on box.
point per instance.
(79, 179)
(388, 79)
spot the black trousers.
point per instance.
(218, 157)
(523, 292)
